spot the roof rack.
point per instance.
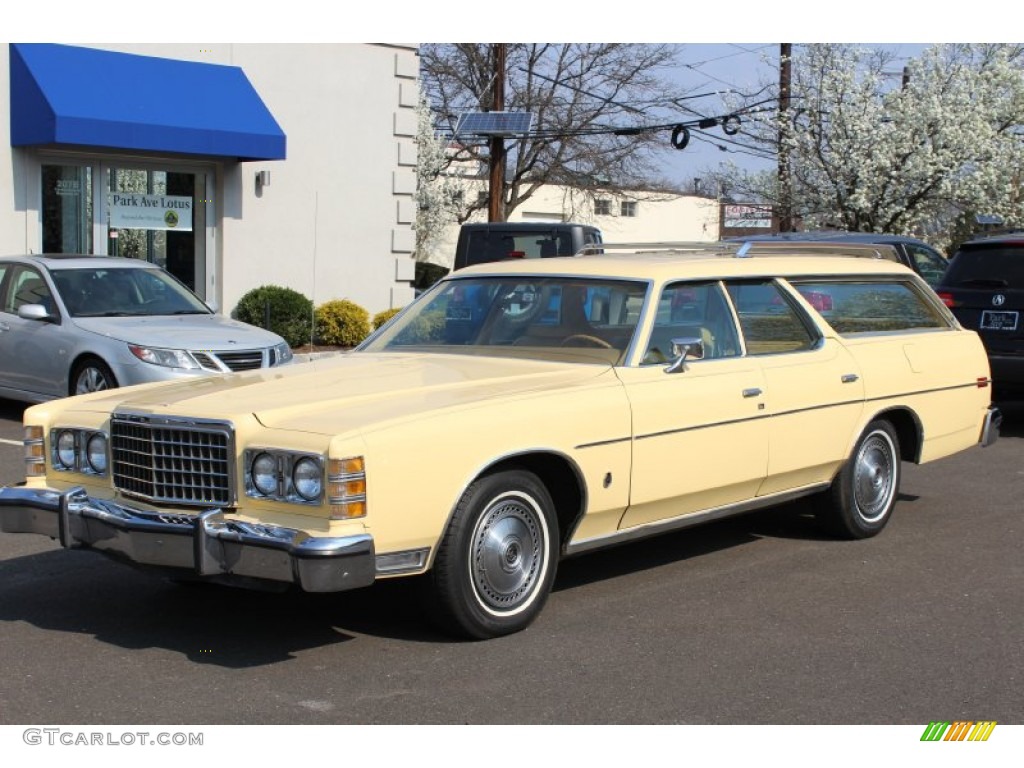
(739, 250)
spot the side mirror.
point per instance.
(683, 348)
(34, 312)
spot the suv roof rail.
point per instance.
(736, 249)
(997, 233)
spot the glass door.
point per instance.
(159, 216)
(67, 206)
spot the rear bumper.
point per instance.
(990, 427)
(206, 545)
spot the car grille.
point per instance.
(173, 460)
(247, 360)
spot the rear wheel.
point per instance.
(497, 560)
(91, 375)
(861, 499)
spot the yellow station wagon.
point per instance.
(519, 413)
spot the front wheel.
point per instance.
(91, 375)
(861, 499)
(497, 560)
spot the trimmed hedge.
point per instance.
(291, 313)
(382, 317)
(342, 323)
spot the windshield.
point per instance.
(558, 318)
(124, 291)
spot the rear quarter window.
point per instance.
(871, 307)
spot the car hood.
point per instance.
(348, 391)
(203, 332)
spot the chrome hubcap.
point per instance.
(874, 480)
(90, 380)
(509, 550)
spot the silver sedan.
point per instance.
(76, 324)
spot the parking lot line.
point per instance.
(10, 442)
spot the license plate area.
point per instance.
(999, 321)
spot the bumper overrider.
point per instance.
(990, 427)
(205, 545)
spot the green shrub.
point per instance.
(342, 323)
(429, 328)
(382, 317)
(291, 313)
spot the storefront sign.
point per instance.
(747, 217)
(136, 211)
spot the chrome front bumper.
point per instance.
(205, 545)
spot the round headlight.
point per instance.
(96, 453)
(66, 449)
(307, 479)
(264, 474)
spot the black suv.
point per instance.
(914, 253)
(984, 286)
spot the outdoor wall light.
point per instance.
(262, 180)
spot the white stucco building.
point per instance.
(234, 166)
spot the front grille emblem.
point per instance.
(998, 300)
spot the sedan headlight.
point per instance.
(74, 449)
(282, 353)
(168, 358)
(278, 475)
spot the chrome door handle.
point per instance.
(849, 378)
(752, 392)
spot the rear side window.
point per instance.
(871, 307)
(929, 264)
(987, 266)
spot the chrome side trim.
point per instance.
(688, 520)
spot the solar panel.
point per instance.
(493, 124)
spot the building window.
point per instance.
(627, 208)
(603, 207)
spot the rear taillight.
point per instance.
(947, 298)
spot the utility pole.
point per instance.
(496, 163)
(785, 182)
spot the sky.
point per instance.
(740, 67)
(717, 52)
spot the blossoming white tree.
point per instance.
(438, 195)
(867, 154)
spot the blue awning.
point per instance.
(65, 95)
